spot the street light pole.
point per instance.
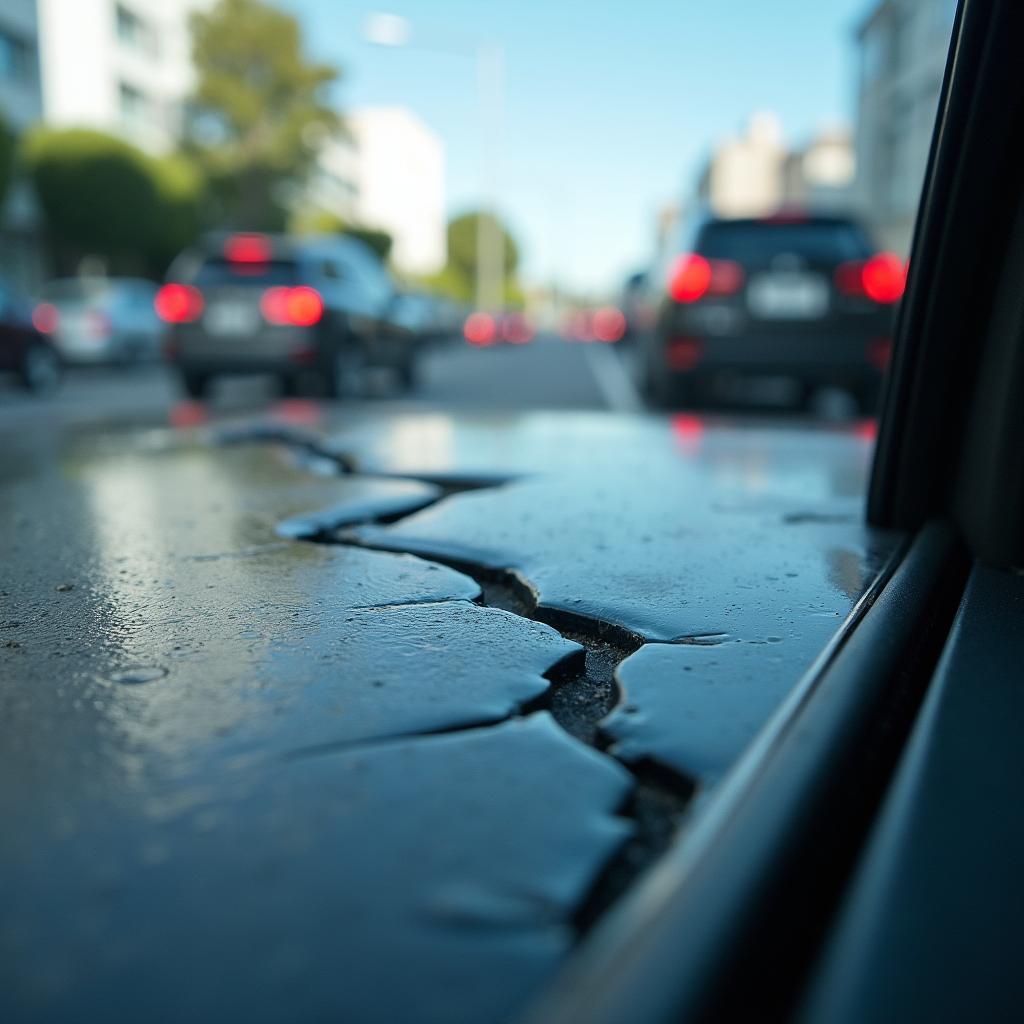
(394, 31)
(490, 243)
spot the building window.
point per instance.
(134, 32)
(900, 38)
(134, 105)
(17, 60)
(873, 53)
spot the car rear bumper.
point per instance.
(87, 352)
(278, 351)
(815, 357)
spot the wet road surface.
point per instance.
(547, 374)
(368, 713)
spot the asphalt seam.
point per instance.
(660, 796)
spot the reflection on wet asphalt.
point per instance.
(304, 779)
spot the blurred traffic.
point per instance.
(163, 212)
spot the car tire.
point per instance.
(41, 371)
(195, 385)
(405, 373)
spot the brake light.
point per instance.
(786, 215)
(609, 324)
(882, 278)
(885, 278)
(515, 329)
(683, 353)
(45, 318)
(480, 329)
(247, 249)
(178, 303)
(297, 307)
(689, 279)
(693, 277)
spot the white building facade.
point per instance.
(744, 175)
(400, 185)
(902, 47)
(21, 104)
(122, 66)
(755, 173)
(21, 99)
(333, 179)
(820, 175)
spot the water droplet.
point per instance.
(138, 674)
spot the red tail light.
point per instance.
(178, 303)
(515, 329)
(881, 279)
(297, 307)
(45, 318)
(480, 329)
(683, 353)
(692, 277)
(247, 249)
(609, 324)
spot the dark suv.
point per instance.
(319, 310)
(24, 348)
(804, 298)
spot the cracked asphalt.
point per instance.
(370, 714)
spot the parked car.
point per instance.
(432, 318)
(25, 350)
(797, 296)
(321, 308)
(635, 305)
(102, 319)
(419, 313)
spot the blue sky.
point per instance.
(609, 106)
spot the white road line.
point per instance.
(613, 379)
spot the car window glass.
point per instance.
(373, 275)
(77, 289)
(217, 270)
(759, 241)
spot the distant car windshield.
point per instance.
(216, 271)
(77, 289)
(757, 241)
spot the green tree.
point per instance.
(182, 194)
(458, 279)
(8, 148)
(450, 284)
(462, 241)
(98, 194)
(259, 108)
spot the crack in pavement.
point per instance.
(583, 691)
(583, 688)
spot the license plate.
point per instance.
(230, 318)
(787, 296)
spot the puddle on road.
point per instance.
(138, 675)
